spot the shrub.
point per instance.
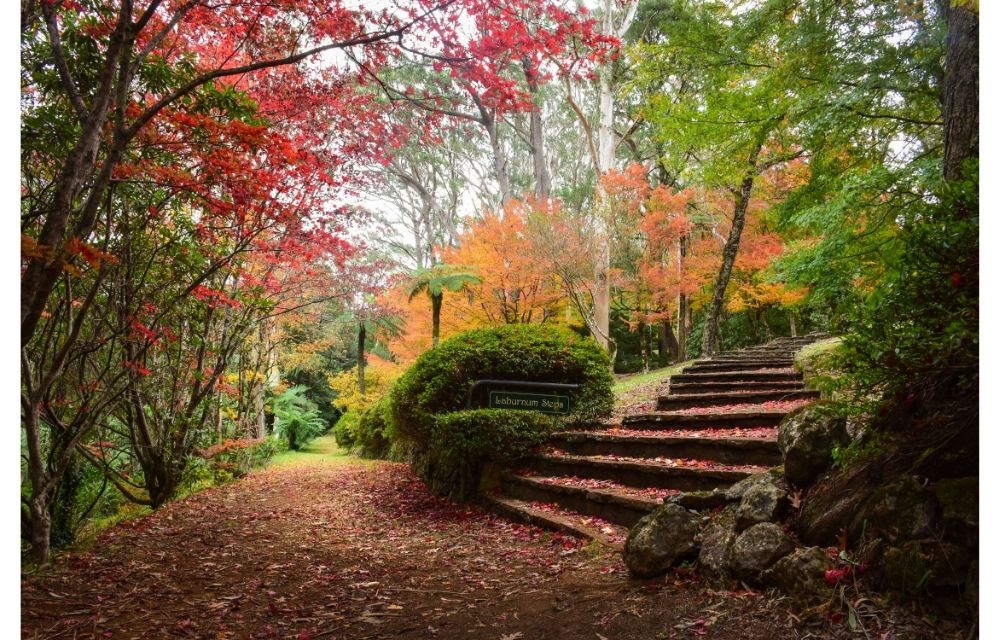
(298, 419)
(462, 442)
(372, 430)
(439, 380)
(236, 457)
(449, 447)
(345, 428)
(380, 374)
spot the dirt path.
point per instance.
(326, 546)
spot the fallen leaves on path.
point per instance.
(361, 551)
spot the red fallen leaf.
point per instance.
(836, 616)
(833, 576)
(304, 635)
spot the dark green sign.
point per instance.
(529, 402)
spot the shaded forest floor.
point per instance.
(322, 545)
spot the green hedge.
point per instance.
(346, 428)
(439, 380)
(448, 445)
(463, 442)
(371, 434)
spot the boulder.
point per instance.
(759, 547)
(716, 550)
(950, 565)
(769, 477)
(807, 438)
(898, 511)
(905, 568)
(660, 539)
(762, 502)
(971, 592)
(800, 576)
(698, 500)
(959, 500)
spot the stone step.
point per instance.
(783, 359)
(606, 504)
(694, 421)
(763, 360)
(523, 511)
(738, 376)
(725, 450)
(689, 401)
(726, 367)
(687, 388)
(636, 474)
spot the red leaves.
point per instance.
(606, 485)
(754, 433)
(214, 298)
(770, 406)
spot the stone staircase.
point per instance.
(716, 426)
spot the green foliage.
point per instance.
(435, 280)
(345, 428)
(424, 407)
(365, 431)
(921, 321)
(372, 433)
(463, 441)
(875, 446)
(818, 363)
(317, 390)
(298, 418)
(440, 378)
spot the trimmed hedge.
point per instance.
(449, 446)
(440, 378)
(462, 442)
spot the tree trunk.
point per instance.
(669, 345)
(961, 87)
(488, 120)
(643, 346)
(682, 302)
(258, 407)
(602, 297)
(436, 318)
(361, 357)
(729, 251)
(41, 526)
(791, 324)
(38, 502)
(539, 163)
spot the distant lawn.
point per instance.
(322, 449)
(633, 381)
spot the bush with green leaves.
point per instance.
(297, 417)
(372, 431)
(462, 442)
(440, 379)
(345, 428)
(447, 445)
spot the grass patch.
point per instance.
(634, 381)
(817, 364)
(323, 449)
(815, 350)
